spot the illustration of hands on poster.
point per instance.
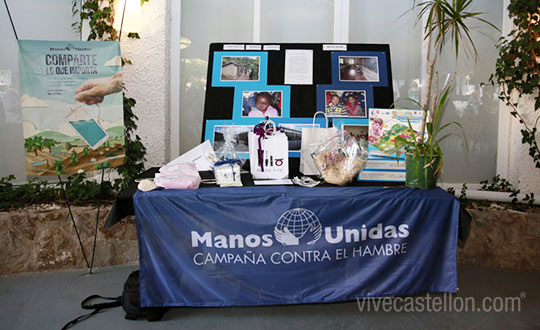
(72, 105)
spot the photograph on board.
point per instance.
(262, 103)
(240, 68)
(345, 103)
(359, 68)
(237, 135)
(359, 132)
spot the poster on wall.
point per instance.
(72, 105)
(384, 126)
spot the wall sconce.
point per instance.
(127, 16)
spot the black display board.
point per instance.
(303, 98)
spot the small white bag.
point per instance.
(313, 137)
(268, 153)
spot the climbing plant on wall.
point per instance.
(100, 14)
(518, 69)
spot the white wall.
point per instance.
(522, 172)
(147, 79)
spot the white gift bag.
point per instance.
(268, 153)
(311, 138)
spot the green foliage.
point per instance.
(463, 196)
(85, 152)
(497, 184)
(529, 199)
(517, 71)
(502, 185)
(447, 21)
(34, 192)
(104, 165)
(99, 16)
(59, 166)
(429, 146)
(83, 192)
(135, 150)
(79, 191)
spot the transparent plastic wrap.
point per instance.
(226, 150)
(340, 159)
(226, 164)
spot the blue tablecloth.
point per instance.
(287, 244)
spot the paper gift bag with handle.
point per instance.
(311, 138)
(268, 152)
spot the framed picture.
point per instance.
(360, 67)
(217, 130)
(258, 102)
(232, 69)
(344, 101)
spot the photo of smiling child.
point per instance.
(261, 104)
(348, 103)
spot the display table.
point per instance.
(286, 244)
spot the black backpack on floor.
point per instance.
(130, 300)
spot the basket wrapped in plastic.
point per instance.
(341, 158)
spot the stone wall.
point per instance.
(43, 238)
(503, 239)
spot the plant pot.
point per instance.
(419, 177)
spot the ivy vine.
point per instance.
(99, 14)
(518, 68)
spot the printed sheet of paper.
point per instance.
(298, 67)
(272, 182)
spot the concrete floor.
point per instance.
(49, 300)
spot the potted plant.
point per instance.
(445, 22)
(517, 69)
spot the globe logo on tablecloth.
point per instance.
(297, 226)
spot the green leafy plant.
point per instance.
(79, 190)
(429, 147)
(502, 185)
(497, 184)
(59, 166)
(445, 22)
(517, 70)
(463, 195)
